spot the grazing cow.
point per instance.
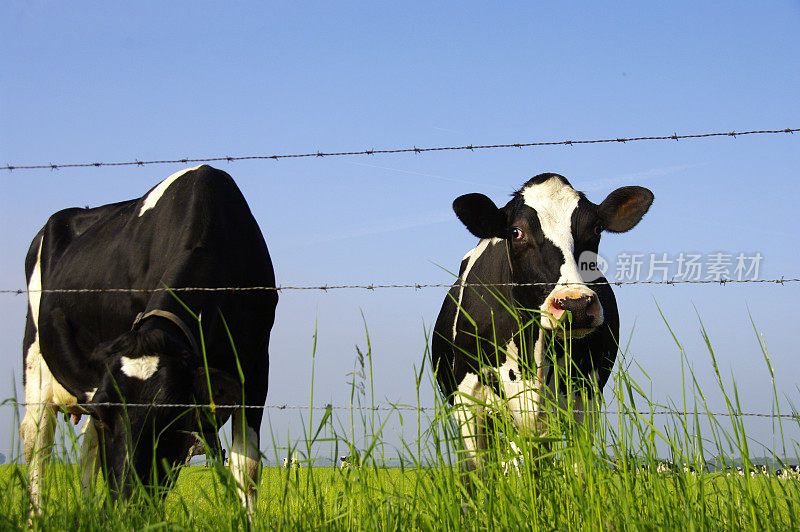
(194, 229)
(479, 352)
(666, 466)
(350, 460)
(291, 461)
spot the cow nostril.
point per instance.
(573, 304)
(593, 308)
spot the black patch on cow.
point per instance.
(511, 375)
(200, 233)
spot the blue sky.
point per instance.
(82, 82)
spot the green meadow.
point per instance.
(637, 469)
(423, 498)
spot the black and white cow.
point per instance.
(480, 353)
(194, 229)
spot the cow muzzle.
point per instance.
(573, 311)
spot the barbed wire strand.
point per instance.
(390, 408)
(471, 147)
(416, 286)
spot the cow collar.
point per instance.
(174, 319)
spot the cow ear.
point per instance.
(624, 208)
(225, 390)
(480, 215)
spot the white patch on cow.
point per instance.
(35, 287)
(524, 397)
(245, 461)
(469, 388)
(90, 394)
(468, 412)
(471, 257)
(538, 356)
(152, 198)
(523, 401)
(140, 368)
(554, 203)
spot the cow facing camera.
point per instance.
(592, 266)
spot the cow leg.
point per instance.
(37, 436)
(473, 436)
(245, 458)
(584, 405)
(472, 426)
(89, 450)
(212, 447)
(38, 425)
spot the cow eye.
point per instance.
(598, 229)
(517, 234)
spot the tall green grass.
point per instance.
(572, 478)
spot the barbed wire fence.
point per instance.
(467, 147)
(392, 408)
(416, 286)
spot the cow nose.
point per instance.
(584, 309)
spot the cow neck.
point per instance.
(174, 319)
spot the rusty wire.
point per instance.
(471, 147)
(416, 286)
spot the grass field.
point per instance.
(427, 498)
(610, 479)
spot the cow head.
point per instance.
(546, 227)
(154, 367)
